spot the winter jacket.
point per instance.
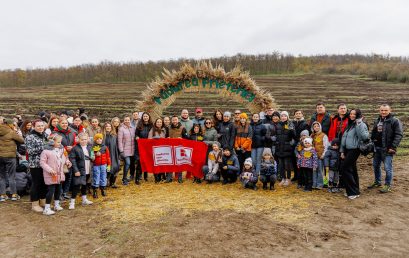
(196, 137)
(308, 158)
(271, 135)
(153, 134)
(259, 135)
(331, 158)
(35, 144)
(68, 136)
(285, 135)
(53, 160)
(178, 131)
(210, 136)
(187, 124)
(8, 142)
(354, 135)
(111, 141)
(22, 181)
(231, 162)
(334, 131)
(391, 134)
(78, 129)
(268, 168)
(320, 143)
(92, 132)
(126, 140)
(325, 122)
(243, 139)
(200, 121)
(226, 135)
(77, 159)
(104, 158)
(143, 131)
(248, 176)
(212, 161)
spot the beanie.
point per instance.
(98, 136)
(227, 113)
(308, 140)
(267, 151)
(243, 115)
(276, 113)
(304, 133)
(248, 162)
(285, 113)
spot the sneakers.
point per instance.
(57, 207)
(282, 182)
(72, 205)
(15, 197)
(86, 202)
(3, 198)
(47, 211)
(352, 197)
(287, 182)
(386, 189)
(374, 185)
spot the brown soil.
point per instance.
(177, 221)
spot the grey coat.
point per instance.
(354, 135)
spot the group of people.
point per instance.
(69, 154)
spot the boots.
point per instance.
(72, 204)
(103, 191)
(272, 186)
(94, 192)
(36, 207)
(112, 182)
(145, 176)
(264, 185)
(42, 203)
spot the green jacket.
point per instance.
(8, 142)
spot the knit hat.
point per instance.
(227, 113)
(276, 113)
(304, 133)
(8, 121)
(267, 151)
(248, 162)
(308, 140)
(243, 115)
(284, 113)
(335, 142)
(98, 136)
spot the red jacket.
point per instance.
(104, 159)
(335, 123)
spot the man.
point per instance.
(268, 117)
(338, 123)
(185, 121)
(199, 119)
(176, 130)
(8, 145)
(237, 113)
(230, 167)
(227, 132)
(386, 134)
(135, 119)
(322, 116)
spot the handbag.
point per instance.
(367, 147)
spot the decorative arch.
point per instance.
(203, 77)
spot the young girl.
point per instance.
(307, 162)
(80, 156)
(52, 161)
(320, 144)
(268, 171)
(249, 177)
(211, 171)
(102, 165)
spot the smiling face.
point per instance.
(64, 124)
(384, 111)
(256, 118)
(184, 114)
(158, 123)
(226, 118)
(215, 147)
(108, 128)
(208, 123)
(283, 118)
(307, 144)
(98, 141)
(94, 122)
(54, 122)
(196, 129)
(145, 118)
(116, 122)
(77, 121)
(276, 119)
(352, 115)
(166, 121)
(247, 166)
(127, 121)
(57, 142)
(298, 115)
(219, 115)
(84, 140)
(39, 127)
(316, 128)
(135, 115)
(175, 121)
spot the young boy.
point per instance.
(211, 170)
(331, 160)
(249, 177)
(230, 166)
(307, 162)
(268, 171)
(102, 165)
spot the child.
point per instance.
(211, 171)
(331, 161)
(52, 161)
(102, 165)
(249, 177)
(307, 162)
(320, 144)
(300, 146)
(80, 156)
(268, 171)
(230, 166)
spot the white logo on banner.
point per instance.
(162, 155)
(169, 155)
(183, 155)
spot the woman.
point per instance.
(355, 133)
(157, 132)
(285, 135)
(217, 118)
(166, 125)
(257, 141)
(77, 125)
(142, 131)
(126, 146)
(111, 141)
(52, 124)
(196, 134)
(26, 128)
(93, 129)
(209, 134)
(243, 140)
(35, 142)
(68, 142)
(115, 122)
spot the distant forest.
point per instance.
(377, 67)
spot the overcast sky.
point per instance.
(48, 33)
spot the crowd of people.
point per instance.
(61, 156)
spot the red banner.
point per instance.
(172, 155)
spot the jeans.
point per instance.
(99, 176)
(169, 176)
(256, 155)
(8, 169)
(127, 165)
(379, 157)
(317, 178)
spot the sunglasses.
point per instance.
(208, 123)
(237, 113)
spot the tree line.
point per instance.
(377, 67)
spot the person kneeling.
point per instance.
(230, 166)
(211, 171)
(268, 171)
(249, 177)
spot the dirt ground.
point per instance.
(192, 220)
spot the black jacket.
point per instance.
(325, 123)
(227, 134)
(77, 158)
(392, 133)
(259, 135)
(299, 126)
(285, 134)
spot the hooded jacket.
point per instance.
(8, 142)
(325, 122)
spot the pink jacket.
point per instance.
(53, 160)
(126, 140)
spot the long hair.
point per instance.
(113, 131)
(157, 129)
(141, 122)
